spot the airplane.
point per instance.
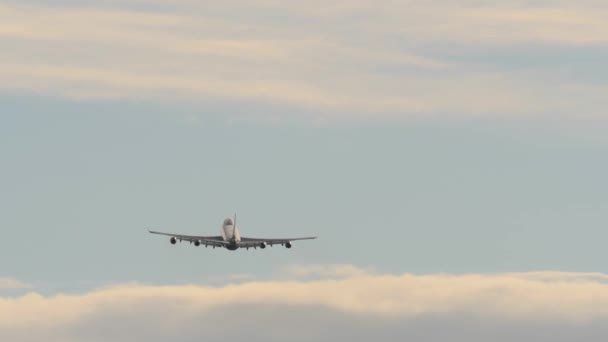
(230, 238)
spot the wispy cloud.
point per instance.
(349, 59)
(325, 271)
(13, 284)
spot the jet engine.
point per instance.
(173, 240)
(288, 245)
(197, 243)
(262, 245)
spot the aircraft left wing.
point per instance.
(216, 241)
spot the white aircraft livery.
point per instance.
(230, 238)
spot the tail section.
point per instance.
(236, 235)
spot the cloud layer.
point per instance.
(355, 59)
(340, 295)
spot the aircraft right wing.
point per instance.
(275, 241)
(215, 241)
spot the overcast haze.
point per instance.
(451, 157)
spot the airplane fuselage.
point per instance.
(230, 233)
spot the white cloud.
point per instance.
(339, 292)
(536, 295)
(348, 59)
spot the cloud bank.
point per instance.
(349, 59)
(355, 303)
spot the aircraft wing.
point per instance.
(208, 240)
(254, 241)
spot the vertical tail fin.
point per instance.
(234, 228)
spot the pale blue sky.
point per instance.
(83, 180)
(451, 157)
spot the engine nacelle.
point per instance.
(288, 245)
(197, 243)
(173, 241)
(262, 245)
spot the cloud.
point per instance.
(338, 296)
(228, 279)
(346, 60)
(325, 271)
(12, 284)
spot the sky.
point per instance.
(450, 156)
